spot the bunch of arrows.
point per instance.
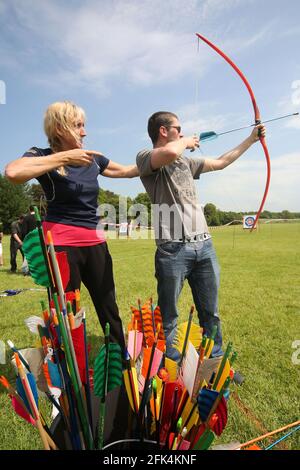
(180, 405)
(176, 405)
(63, 369)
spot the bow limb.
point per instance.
(256, 117)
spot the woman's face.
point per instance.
(74, 140)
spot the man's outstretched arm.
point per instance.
(232, 155)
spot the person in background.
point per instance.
(1, 247)
(16, 243)
(29, 222)
(69, 175)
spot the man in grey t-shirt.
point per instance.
(184, 245)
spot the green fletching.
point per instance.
(37, 214)
(154, 385)
(35, 259)
(205, 440)
(115, 374)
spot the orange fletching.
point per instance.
(164, 375)
(45, 315)
(47, 375)
(17, 359)
(49, 237)
(157, 320)
(4, 381)
(253, 447)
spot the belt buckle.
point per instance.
(191, 239)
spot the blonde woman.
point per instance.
(68, 175)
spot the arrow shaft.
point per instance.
(222, 365)
(269, 434)
(186, 338)
(263, 122)
(282, 438)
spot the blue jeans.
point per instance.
(196, 262)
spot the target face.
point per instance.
(248, 221)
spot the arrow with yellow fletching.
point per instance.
(131, 385)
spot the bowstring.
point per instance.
(232, 200)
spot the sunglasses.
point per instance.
(175, 127)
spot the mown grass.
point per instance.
(259, 308)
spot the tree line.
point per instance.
(16, 199)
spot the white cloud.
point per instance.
(293, 123)
(240, 186)
(211, 122)
(104, 41)
(296, 93)
(214, 8)
(144, 44)
(290, 104)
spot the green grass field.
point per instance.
(259, 308)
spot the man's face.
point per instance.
(174, 131)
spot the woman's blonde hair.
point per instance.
(60, 118)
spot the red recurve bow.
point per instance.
(257, 121)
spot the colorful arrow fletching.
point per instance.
(62, 260)
(155, 364)
(21, 392)
(171, 367)
(195, 336)
(21, 412)
(221, 412)
(158, 321)
(205, 440)
(114, 369)
(189, 415)
(135, 340)
(52, 375)
(34, 255)
(33, 322)
(224, 375)
(206, 399)
(79, 347)
(132, 388)
(184, 445)
(144, 318)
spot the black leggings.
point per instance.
(93, 266)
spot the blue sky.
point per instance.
(122, 60)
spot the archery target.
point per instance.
(248, 221)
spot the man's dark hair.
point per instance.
(31, 208)
(161, 118)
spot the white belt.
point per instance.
(196, 238)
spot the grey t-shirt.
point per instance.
(176, 207)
